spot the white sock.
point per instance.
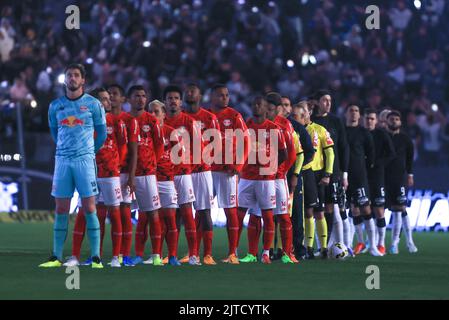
(381, 236)
(359, 232)
(347, 233)
(371, 232)
(397, 224)
(337, 228)
(407, 229)
(267, 252)
(351, 230)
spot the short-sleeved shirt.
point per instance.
(150, 146)
(184, 125)
(132, 132)
(287, 131)
(321, 140)
(207, 120)
(75, 121)
(108, 157)
(258, 131)
(165, 167)
(229, 119)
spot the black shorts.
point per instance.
(358, 195)
(310, 189)
(395, 192)
(376, 182)
(320, 191)
(331, 191)
(377, 193)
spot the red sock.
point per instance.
(232, 226)
(268, 228)
(254, 228)
(155, 233)
(190, 229)
(172, 231)
(78, 233)
(127, 229)
(141, 235)
(207, 242)
(199, 230)
(116, 230)
(102, 212)
(286, 232)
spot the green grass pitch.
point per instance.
(23, 246)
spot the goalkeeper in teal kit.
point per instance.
(73, 119)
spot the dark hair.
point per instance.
(218, 86)
(352, 105)
(320, 93)
(394, 113)
(370, 111)
(78, 66)
(96, 92)
(135, 88)
(273, 98)
(259, 98)
(285, 97)
(119, 87)
(192, 84)
(171, 88)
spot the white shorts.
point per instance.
(184, 187)
(147, 193)
(167, 194)
(126, 195)
(282, 196)
(257, 193)
(225, 188)
(282, 199)
(110, 191)
(203, 188)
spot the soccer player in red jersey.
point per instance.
(108, 200)
(203, 185)
(184, 125)
(166, 186)
(224, 174)
(150, 149)
(282, 216)
(127, 170)
(257, 186)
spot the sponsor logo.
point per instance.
(83, 108)
(146, 128)
(328, 138)
(227, 122)
(71, 121)
(110, 130)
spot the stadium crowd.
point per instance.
(293, 47)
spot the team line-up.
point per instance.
(293, 169)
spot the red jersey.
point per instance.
(287, 131)
(183, 124)
(254, 163)
(108, 157)
(207, 120)
(150, 146)
(165, 167)
(229, 118)
(132, 131)
(284, 122)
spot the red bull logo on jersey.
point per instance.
(71, 121)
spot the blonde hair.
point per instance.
(158, 103)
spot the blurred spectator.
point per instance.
(431, 128)
(6, 40)
(291, 46)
